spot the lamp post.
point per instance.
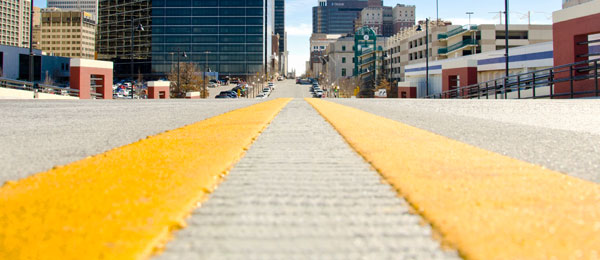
(206, 69)
(468, 29)
(506, 43)
(178, 69)
(392, 90)
(419, 29)
(31, 78)
(133, 29)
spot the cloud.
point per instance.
(299, 30)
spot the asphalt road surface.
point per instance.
(285, 199)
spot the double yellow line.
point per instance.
(486, 205)
(103, 208)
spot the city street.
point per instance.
(300, 191)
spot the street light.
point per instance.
(506, 43)
(178, 71)
(133, 29)
(468, 29)
(206, 69)
(31, 78)
(419, 29)
(393, 90)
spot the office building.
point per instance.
(377, 18)
(14, 29)
(452, 41)
(279, 29)
(403, 17)
(68, 33)
(318, 46)
(37, 27)
(231, 37)
(338, 16)
(89, 6)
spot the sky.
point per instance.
(298, 20)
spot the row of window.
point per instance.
(223, 68)
(207, 12)
(207, 39)
(207, 3)
(257, 48)
(209, 57)
(207, 30)
(207, 21)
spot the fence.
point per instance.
(536, 84)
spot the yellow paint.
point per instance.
(124, 203)
(486, 205)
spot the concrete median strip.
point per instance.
(486, 205)
(123, 204)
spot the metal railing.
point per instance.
(457, 46)
(42, 88)
(536, 84)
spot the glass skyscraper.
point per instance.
(337, 16)
(228, 35)
(280, 23)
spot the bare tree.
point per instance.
(48, 80)
(190, 78)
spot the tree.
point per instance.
(190, 78)
(347, 86)
(384, 84)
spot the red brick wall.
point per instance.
(566, 35)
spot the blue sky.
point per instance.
(299, 17)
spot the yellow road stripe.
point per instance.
(124, 203)
(486, 205)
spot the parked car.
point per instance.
(262, 95)
(280, 78)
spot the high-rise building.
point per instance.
(280, 22)
(14, 29)
(68, 33)
(37, 27)
(90, 6)
(338, 16)
(232, 37)
(403, 17)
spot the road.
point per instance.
(323, 181)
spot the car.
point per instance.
(212, 85)
(262, 95)
(222, 96)
(280, 78)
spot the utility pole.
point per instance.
(506, 43)
(205, 71)
(474, 37)
(31, 60)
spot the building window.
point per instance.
(343, 59)
(343, 72)
(343, 47)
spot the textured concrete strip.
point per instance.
(487, 205)
(36, 135)
(302, 193)
(561, 135)
(103, 208)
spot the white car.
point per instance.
(261, 95)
